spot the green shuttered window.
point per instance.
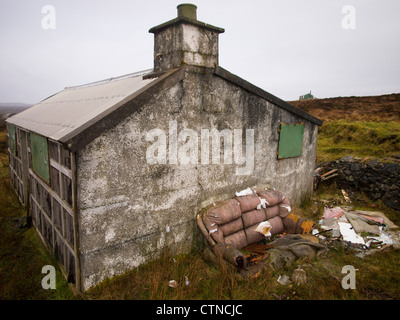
(40, 156)
(290, 140)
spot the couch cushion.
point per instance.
(221, 213)
(271, 212)
(273, 197)
(252, 235)
(232, 227)
(253, 217)
(248, 202)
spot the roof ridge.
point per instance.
(94, 83)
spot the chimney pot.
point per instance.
(187, 10)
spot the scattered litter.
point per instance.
(360, 225)
(334, 212)
(186, 281)
(167, 229)
(370, 231)
(299, 276)
(264, 228)
(383, 238)
(245, 192)
(376, 214)
(331, 224)
(329, 175)
(284, 280)
(349, 234)
(172, 284)
(318, 234)
(346, 196)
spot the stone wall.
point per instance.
(378, 180)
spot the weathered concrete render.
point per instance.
(128, 210)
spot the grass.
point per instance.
(342, 137)
(22, 257)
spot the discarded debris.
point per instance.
(360, 223)
(346, 196)
(299, 276)
(284, 280)
(329, 175)
(349, 234)
(172, 284)
(291, 247)
(334, 212)
(357, 229)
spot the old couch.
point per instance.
(231, 225)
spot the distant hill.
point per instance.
(13, 107)
(8, 109)
(367, 108)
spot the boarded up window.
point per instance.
(66, 158)
(53, 149)
(57, 214)
(67, 189)
(290, 140)
(40, 156)
(55, 180)
(12, 143)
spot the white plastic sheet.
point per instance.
(349, 234)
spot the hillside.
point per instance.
(365, 127)
(369, 108)
(8, 109)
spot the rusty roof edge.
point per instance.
(95, 127)
(265, 95)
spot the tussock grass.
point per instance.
(341, 138)
(22, 255)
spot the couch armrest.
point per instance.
(296, 224)
(203, 229)
(230, 254)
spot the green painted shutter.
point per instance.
(40, 156)
(290, 140)
(12, 143)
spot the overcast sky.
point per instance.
(287, 47)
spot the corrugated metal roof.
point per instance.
(61, 114)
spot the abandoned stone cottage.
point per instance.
(113, 171)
